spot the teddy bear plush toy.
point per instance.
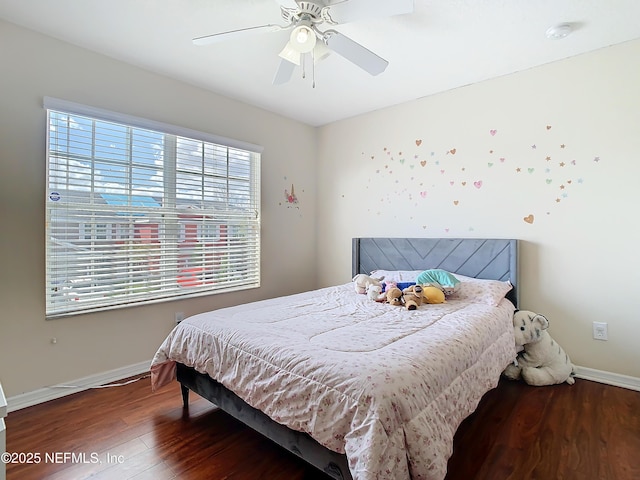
(412, 297)
(361, 282)
(543, 361)
(395, 297)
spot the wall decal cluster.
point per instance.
(290, 197)
(416, 173)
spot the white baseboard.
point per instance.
(42, 395)
(608, 378)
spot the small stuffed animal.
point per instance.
(394, 297)
(390, 284)
(442, 279)
(362, 281)
(433, 294)
(412, 297)
(374, 292)
(543, 361)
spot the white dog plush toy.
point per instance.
(374, 292)
(543, 361)
(361, 282)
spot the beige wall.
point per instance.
(34, 66)
(557, 145)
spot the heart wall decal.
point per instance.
(529, 219)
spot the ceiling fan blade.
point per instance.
(287, 3)
(352, 10)
(284, 72)
(354, 52)
(242, 32)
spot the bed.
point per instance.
(362, 390)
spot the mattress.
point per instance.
(387, 386)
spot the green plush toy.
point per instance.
(439, 278)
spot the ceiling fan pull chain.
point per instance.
(313, 69)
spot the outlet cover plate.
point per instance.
(600, 331)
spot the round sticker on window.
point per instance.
(54, 196)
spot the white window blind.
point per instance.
(140, 212)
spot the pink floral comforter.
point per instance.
(387, 386)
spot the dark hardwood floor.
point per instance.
(583, 432)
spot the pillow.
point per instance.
(397, 275)
(479, 290)
(439, 278)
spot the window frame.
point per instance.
(225, 219)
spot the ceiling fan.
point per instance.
(305, 18)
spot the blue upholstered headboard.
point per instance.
(494, 259)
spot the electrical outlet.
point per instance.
(179, 317)
(600, 331)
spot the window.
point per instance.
(140, 212)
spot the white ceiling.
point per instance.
(444, 44)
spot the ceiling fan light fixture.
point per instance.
(302, 35)
(290, 54)
(302, 39)
(320, 52)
